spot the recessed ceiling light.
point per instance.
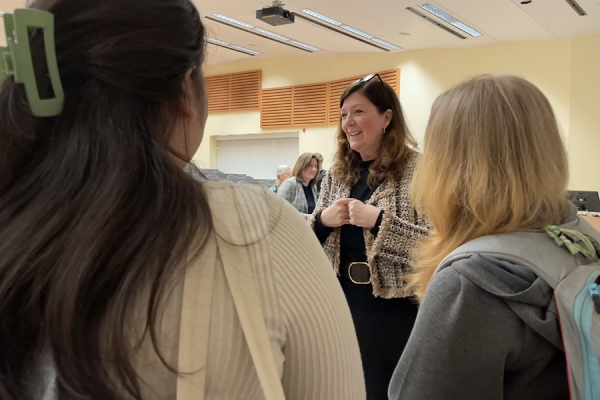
(403, 33)
(322, 17)
(526, 2)
(338, 25)
(386, 44)
(230, 46)
(357, 31)
(304, 45)
(449, 19)
(234, 23)
(271, 34)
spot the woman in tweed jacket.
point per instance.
(368, 225)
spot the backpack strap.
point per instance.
(534, 249)
(194, 332)
(243, 286)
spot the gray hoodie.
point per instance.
(486, 330)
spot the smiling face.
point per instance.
(309, 173)
(363, 125)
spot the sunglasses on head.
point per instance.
(368, 78)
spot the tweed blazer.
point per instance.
(388, 253)
(292, 191)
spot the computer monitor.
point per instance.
(585, 201)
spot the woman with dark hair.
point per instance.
(108, 264)
(368, 225)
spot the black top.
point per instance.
(310, 199)
(352, 240)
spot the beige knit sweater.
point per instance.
(388, 254)
(307, 318)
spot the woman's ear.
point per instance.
(388, 114)
(190, 97)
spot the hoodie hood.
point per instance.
(528, 295)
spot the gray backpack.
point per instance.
(566, 257)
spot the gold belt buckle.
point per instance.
(350, 273)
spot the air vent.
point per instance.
(436, 23)
(576, 7)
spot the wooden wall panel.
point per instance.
(276, 111)
(218, 90)
(392, 78)
(310, 105)
(303, 105)
(336, 89)
(234, 92)
(246, 90)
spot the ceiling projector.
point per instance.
(275, 15)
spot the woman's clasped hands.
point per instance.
(350, 211)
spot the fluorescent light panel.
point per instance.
(349, 28)
(273, 35)
(387, 44)
(264, 32)
(306, 46)
(321, 17)
(221, 43)
(357, 32)
(431, 9)
(233, 21)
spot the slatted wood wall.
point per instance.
(276, 110)
(303, 105)
(234, 92)
(311, 105)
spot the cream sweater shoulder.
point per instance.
(308, 321)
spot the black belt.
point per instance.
(358, 272)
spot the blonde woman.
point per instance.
(301, 189)
(493, 163)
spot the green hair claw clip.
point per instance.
(16, 60)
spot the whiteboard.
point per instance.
(258, 158)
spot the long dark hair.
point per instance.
(395, 144)
(93, 207)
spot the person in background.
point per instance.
(493, 163)
(101, 228)
(300, 190)
(368, 225)
(283, 173)
(322, 172)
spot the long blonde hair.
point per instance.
(493, 161)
